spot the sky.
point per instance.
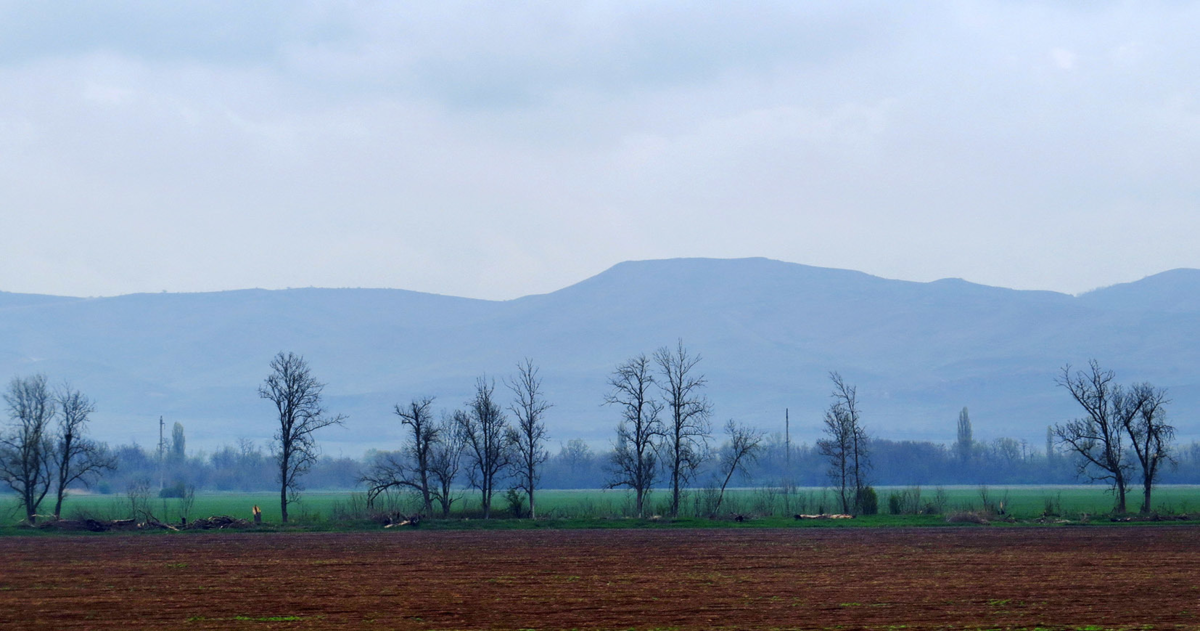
(495, 150)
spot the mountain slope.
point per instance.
(769, 333)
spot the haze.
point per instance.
(495, 151)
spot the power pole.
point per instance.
(787, 439)
(162, 447)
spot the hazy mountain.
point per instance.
(768, 331)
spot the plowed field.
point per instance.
(802, 578)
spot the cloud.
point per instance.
(496, 150)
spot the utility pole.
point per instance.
(787, 439)
(162, 447)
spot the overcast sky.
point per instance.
(499, 149)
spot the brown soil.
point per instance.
(805, 578)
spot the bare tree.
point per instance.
(408, 468)
(296, 395)
(634, 462)
(529, 436)
(576, 454)
(846, 445)
(445, 459)
(687, 426)
(186, 500)
(836, 446)
(739, 453)
(77, 457)
(1098, 438)
(485, 432)
(137, 493)
(1149, 433)
(26, 447)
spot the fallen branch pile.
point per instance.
(219, 522)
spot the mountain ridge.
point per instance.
(769, 332)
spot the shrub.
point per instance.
(705, 502)
(895, 503)
(176, 490)
(1052, 506)
(868, 501)
(937, 505)
(516, 502)
(906, 502)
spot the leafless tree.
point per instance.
(26, 446)
(445, 459)
(1150, 434)
(846, 444)
(77, 457)
(576, 454)
(137, 493)
(1098, 438)
(836, 446)
(687, 425)
(634, 458)
(529, 436)
(485, 432)
(738, 454)
(296, 395)
(408, 468)
(186, 500)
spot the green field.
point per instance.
(762, 504)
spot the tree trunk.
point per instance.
(60, 488)
(283, 468)
(425, 490)
(1147, 486)
(283, 503)
(675, 491)
(532, 509)
(721, 497)
(1121, 494)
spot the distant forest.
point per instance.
(246, 466)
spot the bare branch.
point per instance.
(634, 463)
(296, 395)
(529, 435)
(485, 432)
(688, 429)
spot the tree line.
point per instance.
(664, 440)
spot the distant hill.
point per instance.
(768, 331)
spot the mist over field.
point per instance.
(768, 333)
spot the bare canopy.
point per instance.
(634, 462)
(78, 458)
(528, 437)
(410, 467)
(1098, 438)
(26, 446)
(687, 427)
(296, 395)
